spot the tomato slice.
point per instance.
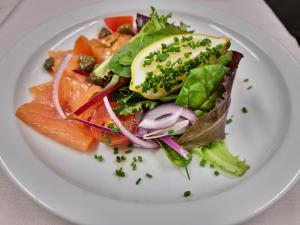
(102, 117)
(113, 23)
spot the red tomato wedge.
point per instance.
(113, 23)
(102, 117)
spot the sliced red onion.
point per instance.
(102, 128)
(169, 141)
(138, 116)
(82, 73)
(160, 123)
(57, 77)
(123, 130)
(141, 20)
(166, 111)
(148, 141)
(177, 128)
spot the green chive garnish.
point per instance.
(133, 165)
(228, 121)
(138, 181)
(116, 150)
(99, 158)
(212, 165)
(111, 125)
(186, 194)
(246, 80)
(248, 88)
(140, 158)
(120, 172)
(203, 162)
(216, 173)
(170, 131)
(128, 151)
(149, 175)
(244, 110)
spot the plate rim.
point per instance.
(51, 22)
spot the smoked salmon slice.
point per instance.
(46, 120)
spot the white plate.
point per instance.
(76, 187)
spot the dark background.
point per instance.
(288, 12)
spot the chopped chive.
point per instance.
(115, 130)
(248, 88)
(228, 121)
(149, 175)
(134, 159)
(108, 142)
(216, 173)
(244, 110)
(186, 194)
(129, 145)
(123, 158)
(203, 162)
(133, 165)
(120, 172)
(187, 54)
(99, 158)
(118, 159)
(246, 80)
(111, 125)
(138, 181)
(187, 172)
(212, 165)
(140, 158)
(116, 150)
(128, 151)
(170, 131)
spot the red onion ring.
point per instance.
(169, 141)
(124, 131)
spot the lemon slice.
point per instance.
(161, 68)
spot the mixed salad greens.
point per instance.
(165, 87)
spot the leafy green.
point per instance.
(168, 98)
(225, 59)
(155, 29)
(210, 126)
(174, 156)
(131, 108)
(218, 154)
(202, 87)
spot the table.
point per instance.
(17, 17)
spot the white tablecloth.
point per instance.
(17, 17)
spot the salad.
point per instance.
(152, 84)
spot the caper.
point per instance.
(96, 80)
(86, 63)
(103, 33)
(48, 64)
(125, 28)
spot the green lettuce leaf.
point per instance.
(202, 87)
(174, 156)
(218, 154)
(210, 126)
(131, 108)
(156, 29)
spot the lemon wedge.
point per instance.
(162, 67)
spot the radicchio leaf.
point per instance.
(211, 126)
(141, 20)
